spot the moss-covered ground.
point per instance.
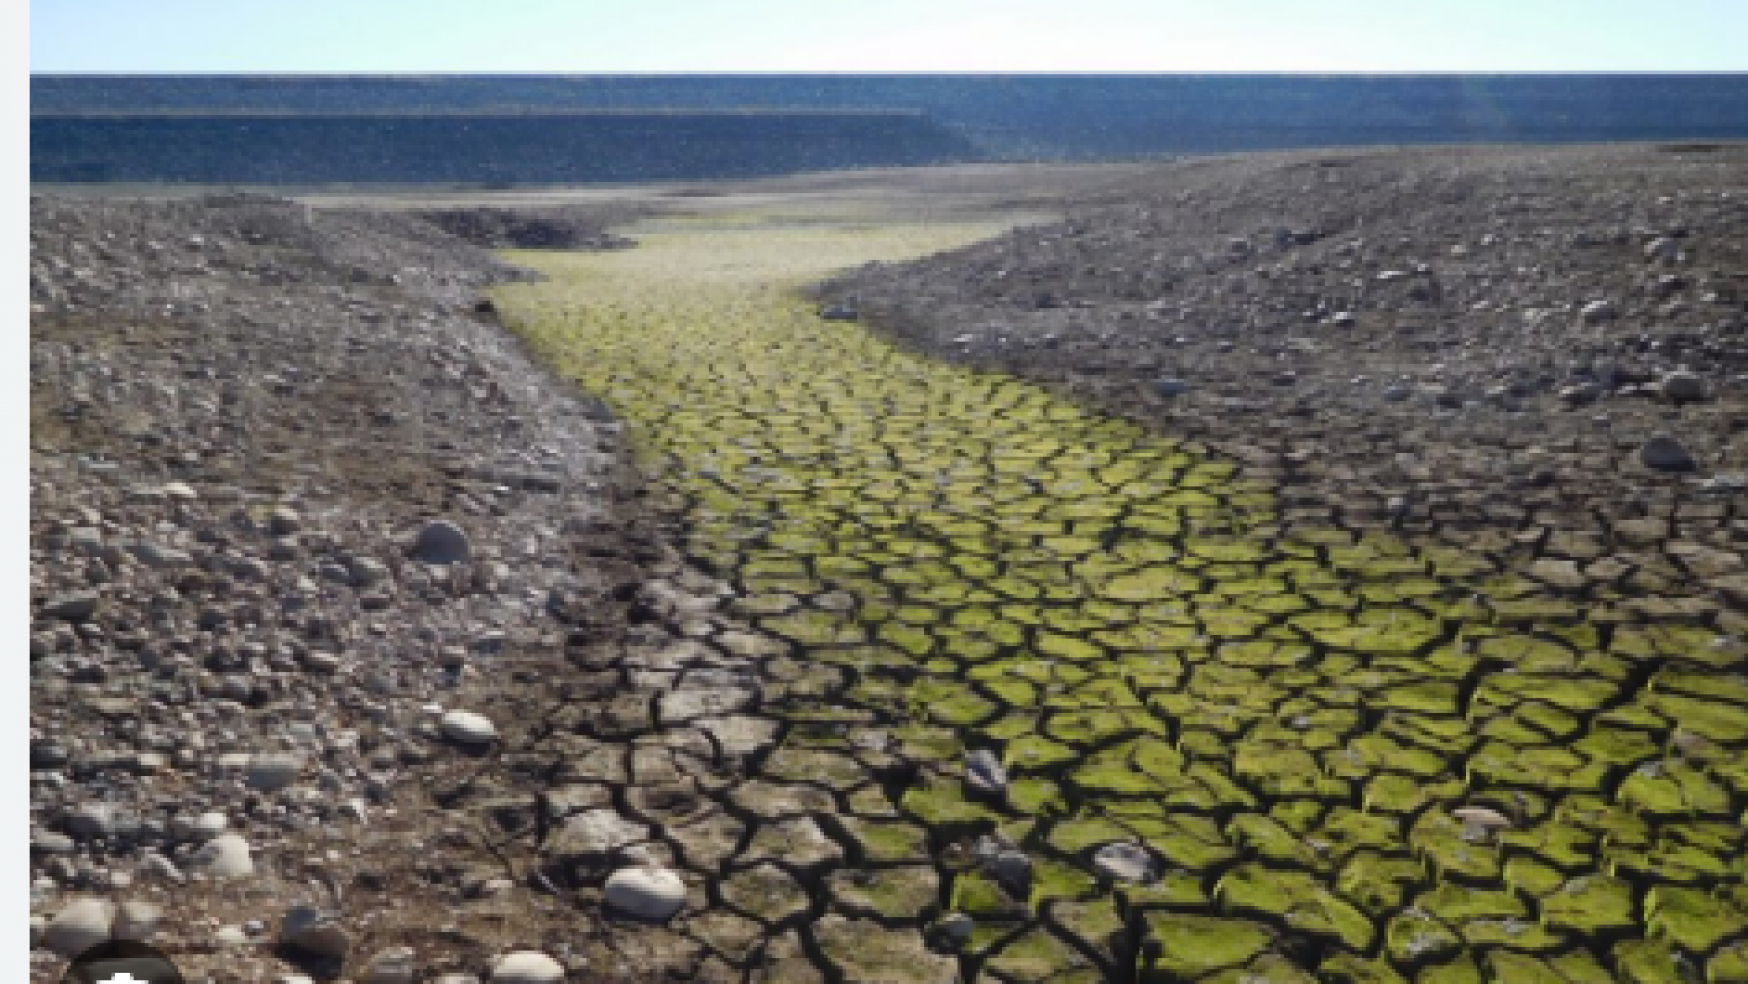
(1287, 720)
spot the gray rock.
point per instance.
(80, 925)
(1122, 861)
(89, 821)
(159, 556)
(137, 920)
(469, 728)
(283, 521)
(225, 856)
(1596, 312)
(273, 771)
(395, 965)
(1579, 393)
(1682, 386)
(442, 542)
(527, 967)
(210, 824)
(955, 928)
(366, 571)
(984, 773)
(307, 929)
(49, 842)
(1664, 453)
(76, 606)
(645, 892)
(1013, 870)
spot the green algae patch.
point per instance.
(1180, 946)
(1297, 900)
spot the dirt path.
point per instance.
(1229, 747)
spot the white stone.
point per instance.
(646, 892)
(1122, 861)
(81, 925)
(225, 856)
(469, 728)
(984, 773)
(527, 967)
(137, 920)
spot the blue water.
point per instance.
(947, 118)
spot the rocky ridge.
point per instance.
(305, 528)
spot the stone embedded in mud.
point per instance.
(1664, 453)
(527, 967)
(1482, 817)
(645, 893)
(469, 728)
(984, 773)
(1123, 861)
(442, 542)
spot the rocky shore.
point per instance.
(308, 532)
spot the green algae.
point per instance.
(1292, 717)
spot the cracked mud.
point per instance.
(1323, 753)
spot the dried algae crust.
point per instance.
(940, 559)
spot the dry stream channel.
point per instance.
(1061, 696)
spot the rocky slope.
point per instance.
(308, 533)
(1541, 350)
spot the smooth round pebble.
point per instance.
(225, 856)
(1122, 861)
(137, 920)
(469, 728)
(80, 925)
(273, 771)
(647, 893)
(1665, 453)
(527, 967)
(313, 931)
(442, 542)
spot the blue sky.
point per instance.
(606, 36)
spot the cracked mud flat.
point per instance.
(1341, 754)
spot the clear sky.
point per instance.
(609, 36)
